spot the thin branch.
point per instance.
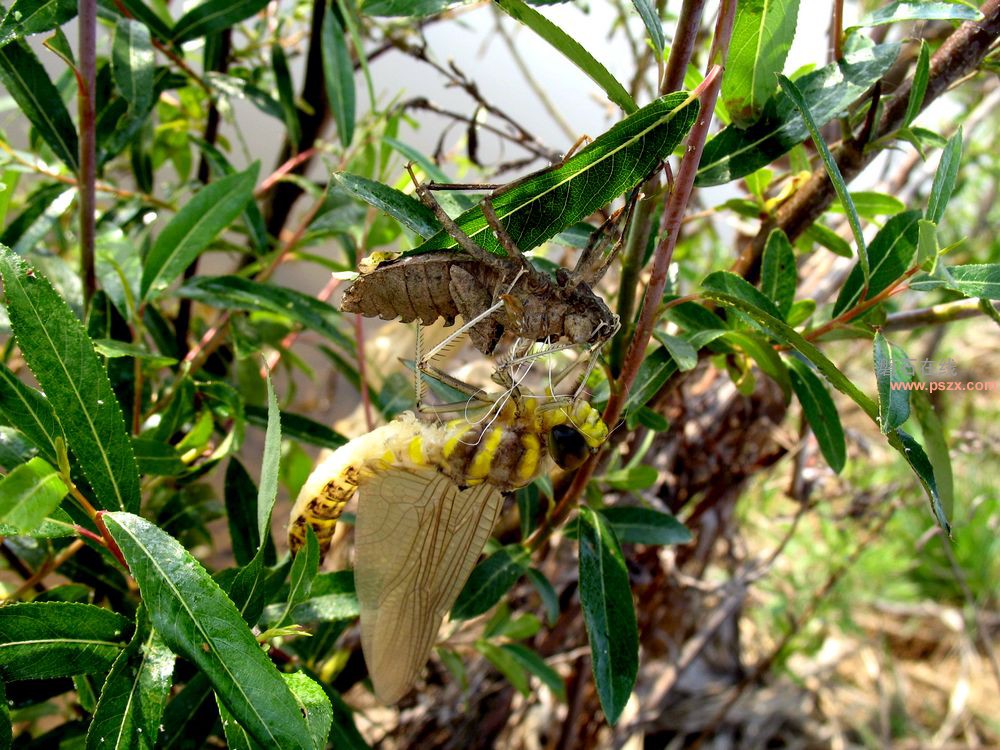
(87, 177)
(48, 567)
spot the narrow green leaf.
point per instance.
(298, 427)
(198, 621)
(762, 35)
(944, 178)
(651, 19)
(890, 254)
(43, 640)
(304, 569)
(926, 10)
(921, 74)
(132, 63)
(823, 235)
(729, 283)
(548, 595)
(608, 612)
(571, 49)
(788, 335)
(793, 93)
(681, 350)
(489, 581)
(981, 281)
(137, 9)
(156, 458)
(39, 100)
(332, 599)
(134, 694)
(27, 17)
(892, 370)
(56, 348)
(30, 493)
(286, 94)
(30, 412)
(872, 204)
(655, 370)
(534, 663)
(922, 467)
(406, 209)
(415, 8)
(820, 412)
(936, 442)
(637, 525)
(241, 512)
(194, 227)
(927, 243)
(632, 478)
(779, 274)
(897, 439)
(347, 13)
(338, 75)
(829, 91)
(267, 490)
(252, 215)
(764, 356)
(237, 293)
(314, 705)
(507, 665)
(212, 16)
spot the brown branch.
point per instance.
(957, 57)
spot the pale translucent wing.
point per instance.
(417, 538)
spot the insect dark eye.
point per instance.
(567, 446)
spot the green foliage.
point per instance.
(139, 341)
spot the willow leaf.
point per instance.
(543, 204)
(571, 49)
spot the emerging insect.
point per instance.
(474, 266)
(429, 496)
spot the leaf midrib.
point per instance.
(97, 440)
(197, 623)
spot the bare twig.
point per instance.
(87, 177)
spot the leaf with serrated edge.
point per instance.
(636, 525)
(44, 640)
(404, 208)
(548, 201)
(779, 275)
(788, 335)
(489, 581)
(735, 152)
(821, 413)
(762, 35)
(890, 254)
(194, 227)
(608, 612)
(198, 621)
(30, 412)
(38, 99)
(927, 10)
(338, 74)
(571, 49)
(134, 694)
(132, 63)
(62, 358)
(214, 15)
(944, 178)
(29, 493)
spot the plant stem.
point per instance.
(680, 57)
(87, 177)
(669, 228)
(50, 566)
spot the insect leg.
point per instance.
(464, 241)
